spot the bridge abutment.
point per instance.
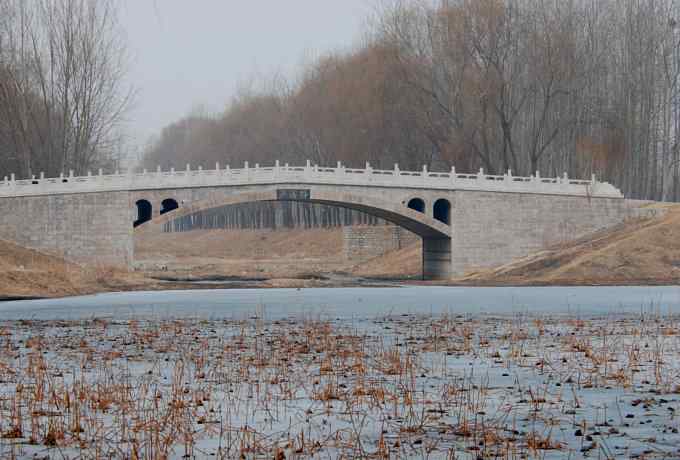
(91, 228)
(491, 229)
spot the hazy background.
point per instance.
(188, 55)
(576, 87)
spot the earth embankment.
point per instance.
(638, 252)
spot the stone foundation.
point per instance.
(362, 242)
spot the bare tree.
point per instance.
(63, 83)
(553, 86)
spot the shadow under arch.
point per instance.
(436, 235)
(396, 213)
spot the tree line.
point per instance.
(62, 91)
(275, 215)
(577, 86)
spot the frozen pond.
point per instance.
(400, 372)
(351, 302)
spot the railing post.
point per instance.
(593, 179)
(144, 172)
(42, 175)
(480, 174)
(217, 166)
(246, 170)
(453, 174)
(565, 178)
(340, 169)
(101, 172)
(308, 168)
(6, 181)
(172, 171)
(397, 172)
(13, 178)
(188, 167)
(508, 176)
(70, 174)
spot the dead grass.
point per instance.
(637, 252)
(280, 255)
(29, 273)
(402, 263)
(24, 272)
(405, 386)
(240, 244)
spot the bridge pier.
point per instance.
(436, 258)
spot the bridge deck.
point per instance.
(282, 174)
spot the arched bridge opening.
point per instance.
(417, 204)
(435, 233)
(442, 211)
(168, 205)
(144, 212)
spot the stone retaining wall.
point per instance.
(361, 243)
(92, 228)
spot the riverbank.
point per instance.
(30, 274)
(638, 252)
(643, 252)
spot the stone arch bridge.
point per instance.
(467, 221)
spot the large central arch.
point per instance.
(436, 235)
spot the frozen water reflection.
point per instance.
(351, 302)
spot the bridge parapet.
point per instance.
(312, 174)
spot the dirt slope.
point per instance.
(401, 264)
(247, 253)
(28, 273)
(638, 252)
(24, 272)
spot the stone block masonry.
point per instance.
(466, 221)
(491, 229)
(91, 228)
(362, 242)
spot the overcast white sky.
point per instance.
(191, 53)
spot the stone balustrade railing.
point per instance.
(309, 174)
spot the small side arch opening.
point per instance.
(144, 212)
(417, 204)
(168, 205)
(442, 211)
